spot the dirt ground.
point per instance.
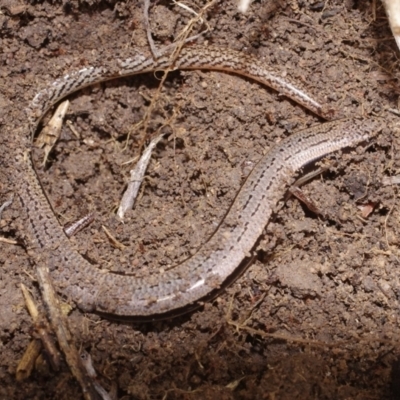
(316, 314)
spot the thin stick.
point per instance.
(60, 326)
(5, 205)
(137, 175)
(392, 8)
(43, 329)
(244, 5)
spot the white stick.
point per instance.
(243, 5)
(393, 12)
(137, 175)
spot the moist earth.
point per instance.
(316, 313)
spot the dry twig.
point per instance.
(60, 326)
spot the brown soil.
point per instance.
(316, 315)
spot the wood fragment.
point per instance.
(8, 241)
(51, 132)
(244, 5)
(60, 326)
(27, 362)
(43, 330)
(392, 8)
(88, 364)
(5, 205)
(113, 240)
(137, 176)
(75, 227)
(310, 204)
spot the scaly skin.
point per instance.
(217, 260)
